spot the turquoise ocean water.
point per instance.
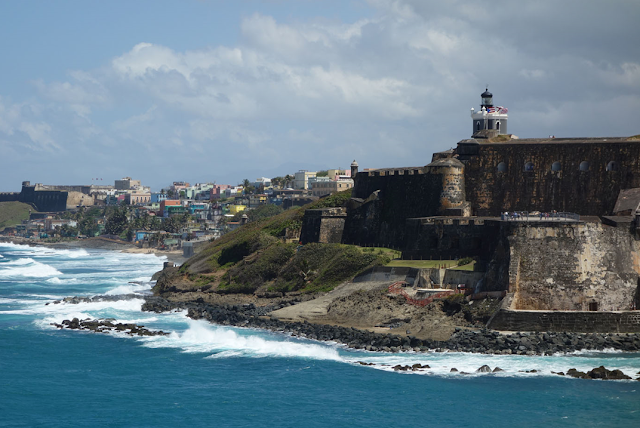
(207, 375)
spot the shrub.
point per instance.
(465, 261)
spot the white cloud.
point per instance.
(388, 88)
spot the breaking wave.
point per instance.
(27, 267)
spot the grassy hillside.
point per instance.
(12, 213)
(256, 257)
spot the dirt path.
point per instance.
(368, 306)
(316, 309)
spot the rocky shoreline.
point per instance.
(481, 341)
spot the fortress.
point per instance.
(53, 198)
(587, 258)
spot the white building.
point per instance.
(490, 118)
(301, 179)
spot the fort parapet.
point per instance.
(582, 176)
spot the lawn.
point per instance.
(392, 254)
(428, 264)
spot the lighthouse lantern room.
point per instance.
(490, 120)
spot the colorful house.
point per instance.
(168, 203)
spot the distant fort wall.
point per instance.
(9, 197)
(44, 200)
(52, 198)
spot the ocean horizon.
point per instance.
(202, 374)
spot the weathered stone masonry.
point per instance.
(583, 176)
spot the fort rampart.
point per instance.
(583, 176)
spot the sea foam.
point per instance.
(224, 341)
(27, 267)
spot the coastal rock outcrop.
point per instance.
(599, 373)
(108, 325)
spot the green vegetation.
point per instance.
(388, 252)
(259, 213)
(339, 199)
(465, 261)
(116, 222)
(429, 264)
(500, 138)
(12, 213)
(257, 255)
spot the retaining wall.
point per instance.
(578, 321)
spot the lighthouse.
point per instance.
(490, 120)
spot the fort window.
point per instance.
(528, 167)
(612, 166)
(502, 167)
(584, 166)
(593, 306)
(556, 166)
(498, 125)
(477, 126)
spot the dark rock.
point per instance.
(603, 373)
(484, 369)
(598, 373)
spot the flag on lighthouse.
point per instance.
(497, 109)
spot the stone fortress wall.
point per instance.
(583, 176)
(572, 267)
(452, 208)
(44, 200)
(52, 198)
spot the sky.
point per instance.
(222, 90)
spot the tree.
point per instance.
(116, 222)
(172, 225)
(155, 223)
(277, 181)
(67, 231)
